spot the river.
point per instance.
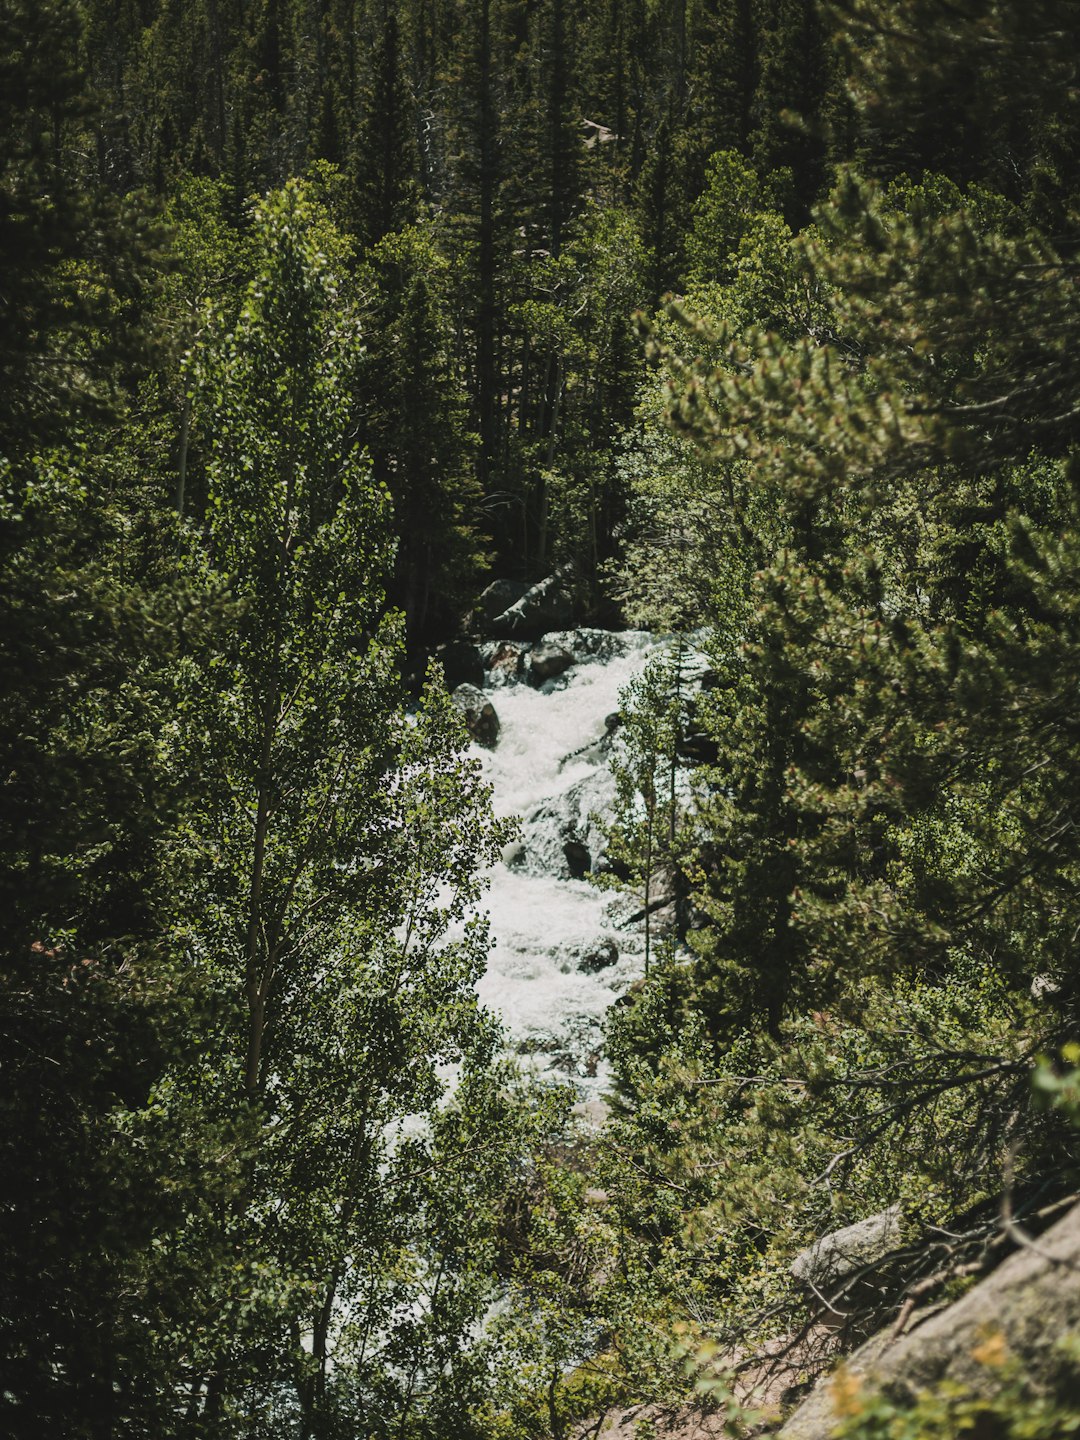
(563, 950)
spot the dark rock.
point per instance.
(481, 721)
(462, 663)
(654, 907)
(499, 596)
(544, 607)
(545, 662)
(605, 955)
(613, 721)
(578, 859)
(605, 865)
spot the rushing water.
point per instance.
(563, 948)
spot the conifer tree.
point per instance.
(383, 135)
(96, 1000)
(415, 427)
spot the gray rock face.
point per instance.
(1023, 1308)
(834, 1257)
(481, 721)
(545, 662)
(561, 837)
(546, 606)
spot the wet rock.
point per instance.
(546, 662)
(545, 606)
(566, 818)
(481, 721)
(503, 659)
(499, 596)
(578, 859)
(604, 956)
(513, 856)
(613, 721)
(462, 663)
(589, 644)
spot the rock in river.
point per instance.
(604, 955)
(481, 721)
(545, 662)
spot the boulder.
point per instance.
(481, 721)
(1019, 1314)
(546, 606)
(591, 644)
(569, 820)
(601, 958)
(503, 659)
(699, 748)
(834, 1257)
(499, 596)
(462, 663)
(545, 662)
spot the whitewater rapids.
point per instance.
(563, 951)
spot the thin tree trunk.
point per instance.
(182, 456)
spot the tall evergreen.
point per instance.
(383, 134)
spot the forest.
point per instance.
(751, 322)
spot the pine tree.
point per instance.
(97, 999)
(415, 427)
(382, 136)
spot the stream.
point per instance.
(563, 948)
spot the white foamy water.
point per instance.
(562, 949)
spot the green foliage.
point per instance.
(416, 429)
(643, 834)
(877, 477)
(278, 1175)
(343, 839)
(1012, 1410)
(1058, 1089)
